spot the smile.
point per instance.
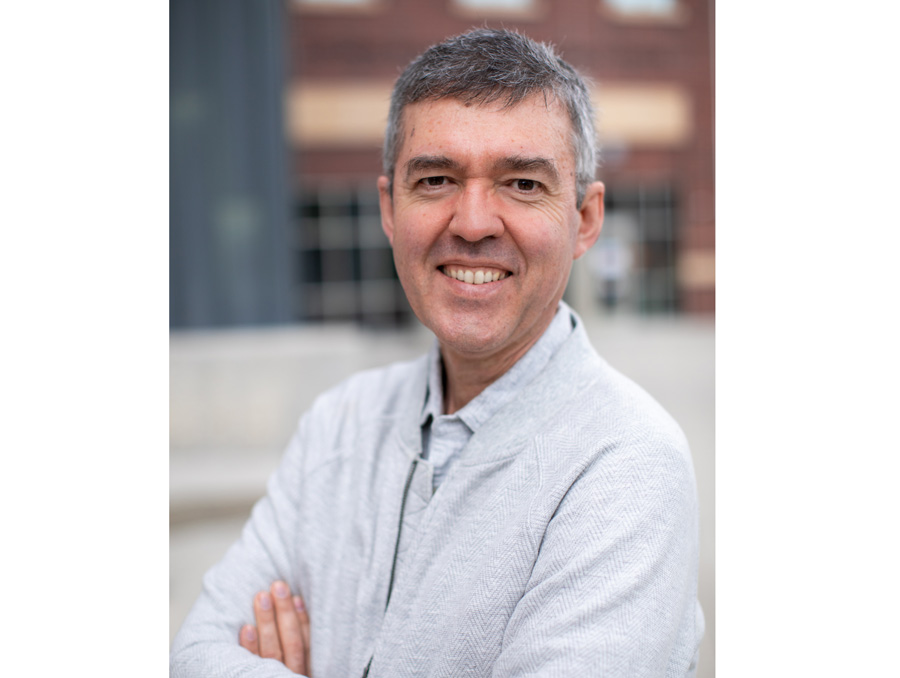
(477, 276)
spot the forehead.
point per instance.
(534, 127)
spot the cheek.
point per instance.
(410, 250)
(552, 212)
(414, 231)
(547, 242)
(407, 246)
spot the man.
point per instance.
(508, 505)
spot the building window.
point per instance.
(519, 9)
(336, 5)
(344, 267)
(657, 7)
(513, 5)
(653, 11)
(633, 263)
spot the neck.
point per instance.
(465, 377)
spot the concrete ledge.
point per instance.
(213, 484)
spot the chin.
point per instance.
(473, 340)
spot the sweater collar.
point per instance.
(493, 398)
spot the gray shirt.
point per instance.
(444, 435)
(562, 542)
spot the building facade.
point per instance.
(277, 111)
(651, 65)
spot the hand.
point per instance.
(282, 628)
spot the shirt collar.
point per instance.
(490, 400)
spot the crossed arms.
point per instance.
(539, 563)
(282, 628)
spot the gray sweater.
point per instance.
(563, 541)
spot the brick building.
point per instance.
(651, 62)
(277, 113)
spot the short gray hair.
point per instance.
(487, 65)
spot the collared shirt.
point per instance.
(444, 435)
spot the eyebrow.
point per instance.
(427, 163)
(513, 163)
(518, 163)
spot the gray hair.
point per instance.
(487, 65)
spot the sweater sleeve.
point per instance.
(207, 643)
(613, 591)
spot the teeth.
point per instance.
(476, 277)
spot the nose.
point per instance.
(475, 215)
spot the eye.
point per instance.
(434, 181)
(527, 185)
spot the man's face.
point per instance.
(487, 194)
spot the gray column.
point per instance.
(229, 197)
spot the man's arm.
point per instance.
(207, 644)
(613, 591)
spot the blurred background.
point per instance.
(282, 282)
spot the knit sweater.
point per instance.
(563, 541)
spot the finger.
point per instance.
(249, 638)
(289, 628)
(267, 629)
(303, 616)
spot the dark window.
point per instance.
(345, 268)
(633, 262)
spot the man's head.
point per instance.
(488, 194)
(485, 66)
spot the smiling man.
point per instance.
(483, 217)
(507, 505)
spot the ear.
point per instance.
(386, 203)
(590, 218)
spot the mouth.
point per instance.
(474, 276)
